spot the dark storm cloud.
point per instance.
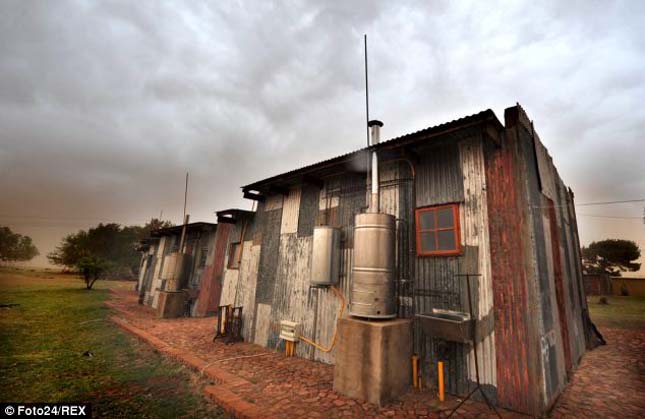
(105, 105)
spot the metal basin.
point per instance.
(453, 326)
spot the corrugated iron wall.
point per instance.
(507, 206)
(538, 275)
(454, 172)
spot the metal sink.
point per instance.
(453, 326)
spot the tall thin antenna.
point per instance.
(367, 97)
(185, 195)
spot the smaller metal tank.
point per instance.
(372, 292)
(325, 261)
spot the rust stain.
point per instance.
(507, 222)
(559, 286)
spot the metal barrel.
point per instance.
(372, 291)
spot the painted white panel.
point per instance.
(291, 296)
(246, 286)
(290, 210)
(474, 232)
(156, 278)
(229, 286)
(262, 324)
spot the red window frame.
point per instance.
(455, 228)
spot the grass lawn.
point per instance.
(44, 339)
(621, 312)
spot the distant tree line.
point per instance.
(15, 247)
(105, 251)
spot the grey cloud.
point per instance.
(105, 104)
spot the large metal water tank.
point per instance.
(372, 292)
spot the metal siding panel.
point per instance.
(291, 297)
(269, 255)
(229, 286)
(246, 287)
(439, 176)
(211, 283)
(308, 210)
(475, 233)
(156, 280)
(290, 210)
(439, 180)
(508, 229)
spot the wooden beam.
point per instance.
(255, 196)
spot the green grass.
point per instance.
(621, 312)
(42, 346)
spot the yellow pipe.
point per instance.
(333, 339)
(415, 371)
(441, 389)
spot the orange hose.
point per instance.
(333, 339)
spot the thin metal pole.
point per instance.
(367, 120)
(185, 195)
(367, 96)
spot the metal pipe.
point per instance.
(440, 376)
(182, 241)
(415, 371)
(375, 127)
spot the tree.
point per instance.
(611, 256)
(15, 247)
(112, 243)
(92, 268)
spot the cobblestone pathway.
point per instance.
(609, 382)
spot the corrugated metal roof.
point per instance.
(488, 114)
(177, 229)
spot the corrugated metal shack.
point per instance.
(514, 224)
(206, 244)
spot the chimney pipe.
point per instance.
(375, 130)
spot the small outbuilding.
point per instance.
(197, 268)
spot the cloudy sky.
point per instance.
(104, 105)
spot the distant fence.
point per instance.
(630, 286)
(597, 284)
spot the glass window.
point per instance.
(437, 230)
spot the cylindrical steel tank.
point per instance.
(372, 292)
(325, 261)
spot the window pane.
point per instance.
(427, 242)
(447, 240)
(444, 218)
(426, 219)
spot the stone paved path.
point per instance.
(609, 382)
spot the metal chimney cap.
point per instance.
(375, 122)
